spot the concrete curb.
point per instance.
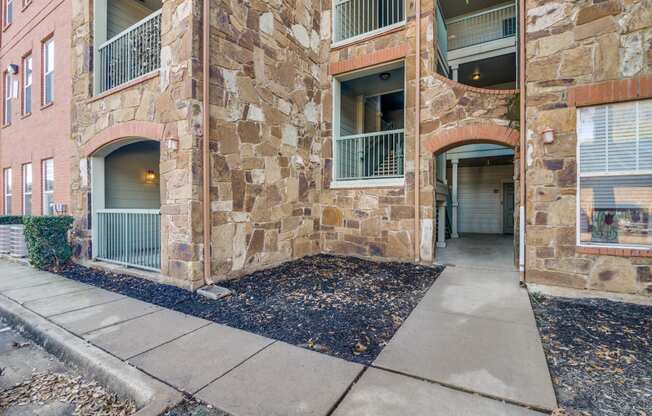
(151, 396)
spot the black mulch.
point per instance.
(599, 353)
(345, 307)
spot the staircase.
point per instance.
(389, 167)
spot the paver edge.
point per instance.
(152, 397)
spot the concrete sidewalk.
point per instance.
(246, 374)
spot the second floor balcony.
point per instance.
(128, 41)
(356, 19)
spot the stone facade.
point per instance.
(167, 99)
(575, 49)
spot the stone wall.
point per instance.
(376, 222)
(572, 44)
(265, 118)
(168, 100)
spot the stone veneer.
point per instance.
(169, 101)
(573, 49)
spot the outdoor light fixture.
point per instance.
(548, 135)
(150, 176)
(12, 69)
(385, 76)
(476, 76)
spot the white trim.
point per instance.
(368, 183)
(127, 211)
(617, 246)
(362, 36)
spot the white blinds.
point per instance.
(615, 165)
(615, 139)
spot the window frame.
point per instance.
(49, 40)
(622, 173)
(7, 18)
(25, 168)
(27, 58)
(7, 190)
(44, 191)
(7, 96)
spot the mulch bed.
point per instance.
(345, 307)
(599, 353)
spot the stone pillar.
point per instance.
(441, 225)
(455, 204)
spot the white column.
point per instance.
(441, 226)
(97, 197)
(359, 114)
(455, 69)
(455, 204)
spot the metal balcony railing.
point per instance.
(485, 26)
(370, 156)
(357, 18)
(131, 237)
(442, 39)
(130, 54)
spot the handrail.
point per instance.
(374, 134)
(131, 28)
(127, 211)
(480, 12)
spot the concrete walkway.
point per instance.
(475, 339)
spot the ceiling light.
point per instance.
(476, 76)
(385, 76)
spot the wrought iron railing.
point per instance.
(130, 54)
(370, 156)
(484, 26)
(357, 18)
(131, 237)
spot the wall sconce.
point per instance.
(548, 135)
(150, 176)
(476, 76)
(173, 144)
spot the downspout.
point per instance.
(521, 213)
(206, 175)
(417, 136)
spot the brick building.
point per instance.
(326, 136)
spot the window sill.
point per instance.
(614, 251)
(24, 116)
(25, 6)
(46, 106)
(6, 26)
(368, 183)
(4, 126)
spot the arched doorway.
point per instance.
(476, 196)
(126, 202)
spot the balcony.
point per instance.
(357, 19)
(481, 27)
(370, 156)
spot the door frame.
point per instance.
(503, 182)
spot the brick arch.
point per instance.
(123, 131)
(474, 133)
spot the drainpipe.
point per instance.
(206, 173)
(417, 136)
(521, 216)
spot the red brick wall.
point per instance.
(46, 132)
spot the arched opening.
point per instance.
(475, 200)
(126, 202)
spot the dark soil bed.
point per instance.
(345, 307)
(599, 353)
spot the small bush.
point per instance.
(47, 241)
(10, 219)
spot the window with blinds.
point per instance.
(615, 174)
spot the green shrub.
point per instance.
(10, 219)
(47, 241)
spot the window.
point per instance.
(615, 174)
(7, 190)
(48, 71)
(48, 187)
(27, 189)
(9, 12)
(6, 115)
(27, 85)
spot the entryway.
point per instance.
(486, 251)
